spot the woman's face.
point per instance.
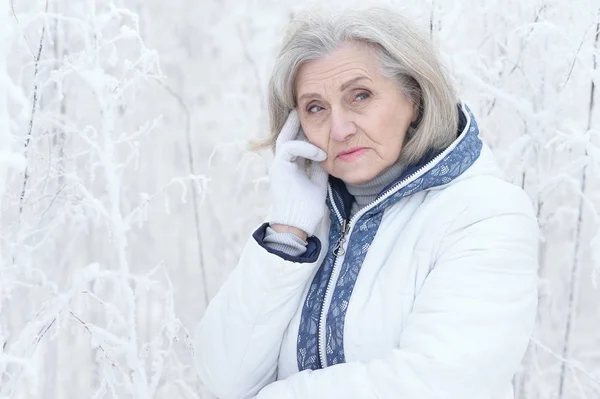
(354, 113)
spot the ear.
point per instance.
(415, 113)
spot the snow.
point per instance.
(139, 191)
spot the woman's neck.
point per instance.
(366, 193)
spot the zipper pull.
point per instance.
(339, 249)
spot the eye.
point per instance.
(314, 109)
(362, 96)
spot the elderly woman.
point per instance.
(396, 261)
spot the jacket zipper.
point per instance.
(340, 250)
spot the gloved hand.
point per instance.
(298, 198)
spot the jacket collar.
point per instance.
(436, 168)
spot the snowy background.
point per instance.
(127, 193)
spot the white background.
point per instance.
(127, 193)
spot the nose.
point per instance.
(342, 126)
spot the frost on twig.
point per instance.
(71, 206)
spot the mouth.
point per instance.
(352, 154)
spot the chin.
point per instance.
(357, 177)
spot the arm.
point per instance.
(470, 323)
(237, 341)
(291, 243)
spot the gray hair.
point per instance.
(406, 55)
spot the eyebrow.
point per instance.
(343, 87)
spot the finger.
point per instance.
(289, 131)
(294, 149)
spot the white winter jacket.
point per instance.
(429, 292)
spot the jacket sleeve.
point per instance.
(471, 321)
(237, 342)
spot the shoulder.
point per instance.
(483, 208)
(481, 190)
(482, 195)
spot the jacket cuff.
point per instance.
(313, 247)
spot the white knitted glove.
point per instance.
(298, 198)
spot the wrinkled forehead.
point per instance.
(329, 73)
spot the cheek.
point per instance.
(392, 133)
(394, 139)
(317, 137)
(394, 143)
(320, 138)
